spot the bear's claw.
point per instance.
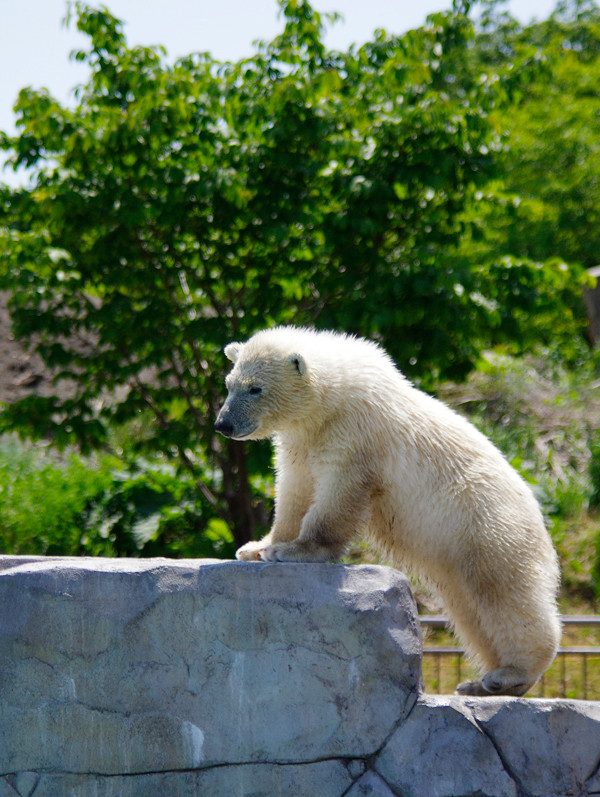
(248, 552)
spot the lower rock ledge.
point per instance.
(493, 747)
(441, 750)
(332, 778)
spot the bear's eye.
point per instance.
(255, 390)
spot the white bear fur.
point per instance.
(359, 450)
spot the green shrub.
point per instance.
(154, 510)
(70, 505)
(44, 499)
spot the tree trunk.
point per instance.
(591, 297)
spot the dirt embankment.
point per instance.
(21, 371)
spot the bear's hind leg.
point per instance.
(503, 681)
(512, 638)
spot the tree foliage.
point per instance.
(550, 173)
(177, 207)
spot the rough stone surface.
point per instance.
(144, 666)
(370, 785)
(566, 752)
(439, 749)
(452, 746)
(249, 780)
(121, 678)
(593, 784)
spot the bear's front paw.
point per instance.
(296, 552)
(250, 552)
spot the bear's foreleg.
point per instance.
(339, 512)
(293, 497)
(300, 551)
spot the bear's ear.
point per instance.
(297, 360)
(232, 351)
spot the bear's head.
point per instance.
(268, 389)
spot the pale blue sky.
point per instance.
(35, 46)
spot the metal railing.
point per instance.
(574, 674)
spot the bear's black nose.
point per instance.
(224, 427)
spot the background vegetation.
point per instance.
(438, 191)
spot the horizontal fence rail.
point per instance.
(575, 672)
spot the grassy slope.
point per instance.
(545, 420)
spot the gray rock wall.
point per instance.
(139, 678)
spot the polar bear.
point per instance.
(360, 450)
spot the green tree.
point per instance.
(549, 194)
(178, 207)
